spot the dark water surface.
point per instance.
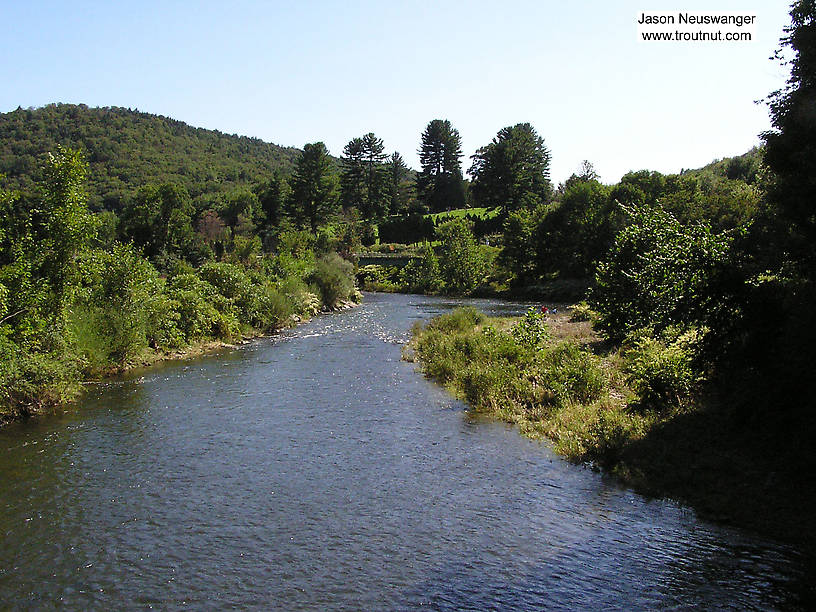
(316, 470)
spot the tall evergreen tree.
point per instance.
(440, 185)
(314, 186)
(513, 171)
(352, 177)
(272, 196)
(376, 203)
(364, 179)
(397, 173)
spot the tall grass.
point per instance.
(518, 375)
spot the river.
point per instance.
(315, 470)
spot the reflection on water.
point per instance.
(315, 470)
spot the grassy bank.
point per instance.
(623, 409)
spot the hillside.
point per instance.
(743, 167)
(127, 149)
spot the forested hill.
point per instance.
(743, 167)
(127, 149)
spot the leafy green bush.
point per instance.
(233, 283)
(532, 329)
(199, 317)
(163, 321)
(582, 312)
(295, 257)
(573, 374)
(662, 373)
(91, 344)
(117, 290)
(423, 275)
(30, 380)
(273, 307)
(379, 278)
(462, 264)
(334, 278)
(659, 273)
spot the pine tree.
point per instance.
(363, 179)
(397, 172)
(314, 186)
(440, 185)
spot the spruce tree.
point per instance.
(440, 185)
(313, 186)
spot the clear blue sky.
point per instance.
(297, 72)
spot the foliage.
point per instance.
(118, 292)
(400, 189)
(31, 380)
(582, 312)
(295, 256)
(515, 375)
(461, 263)
(532, 329)
(458, 320)
(314, 186)
(380, 278)
(334, 278)
(659, 273)
(42, 234)
(662, 371)
(573, 236)
(790, 148)
(520, 253)
(127, 149)
(766, 348)
(439, 184)
(410, 229)
(423, 275)
(513, 171)
(273, 195)
(159, 221)
(202, 313)
(364, 178)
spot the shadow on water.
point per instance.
(748, 482)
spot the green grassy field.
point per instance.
(482, 213)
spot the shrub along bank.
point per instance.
(124, 314)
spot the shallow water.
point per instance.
(315, 470)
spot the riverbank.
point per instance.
(65, 393)
(555, 378)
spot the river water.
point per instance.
(317, 471)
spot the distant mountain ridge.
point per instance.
(127, 149)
